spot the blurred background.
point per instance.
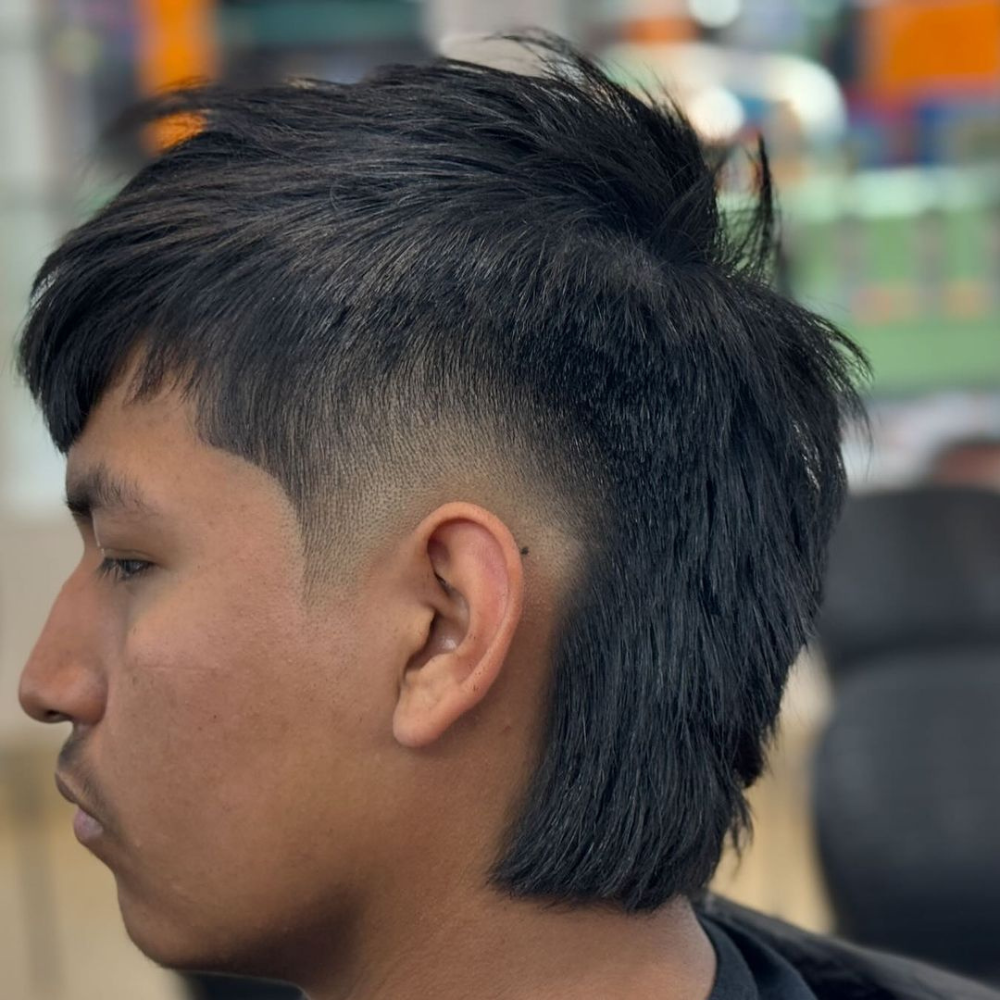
(878, 819)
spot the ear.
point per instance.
(473, 588)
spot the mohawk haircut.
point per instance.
(339, 276)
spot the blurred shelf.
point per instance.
(931, 354)
(318, 22)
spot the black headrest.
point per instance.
(906, 802)
(912, 570)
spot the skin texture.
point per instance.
(312, 789)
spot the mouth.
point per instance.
(86, 826)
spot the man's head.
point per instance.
(490, 489)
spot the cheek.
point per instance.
(228, 705)
(204, 697)
(244, 746)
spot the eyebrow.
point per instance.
(98, 488)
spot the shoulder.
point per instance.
(838, 970)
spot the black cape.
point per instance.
(836, 970)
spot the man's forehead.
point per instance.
(108, 466)
(145, 458)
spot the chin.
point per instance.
(188, 945)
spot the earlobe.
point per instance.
(476, 600)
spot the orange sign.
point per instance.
(176, 44)
(916, 46)
(657, 30)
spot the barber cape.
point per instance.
(836, 970)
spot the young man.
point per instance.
(454, 496)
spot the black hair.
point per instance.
(342, 273)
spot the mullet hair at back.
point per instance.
(337, 272)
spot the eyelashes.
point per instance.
(122, 570)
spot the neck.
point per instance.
(489, 946)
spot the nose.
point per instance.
(62, 680)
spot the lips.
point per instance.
(86, 825)
(70, 796)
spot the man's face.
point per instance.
(226, 734)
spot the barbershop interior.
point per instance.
(877, 817)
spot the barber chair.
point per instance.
(906, 778)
